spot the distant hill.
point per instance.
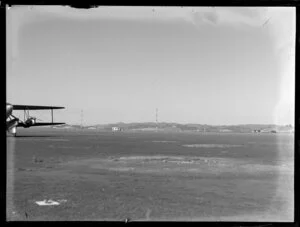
(169, 126)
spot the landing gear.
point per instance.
(13, 131)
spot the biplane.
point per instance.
(13, 122)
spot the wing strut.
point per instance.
(52, 115)
(26, 114)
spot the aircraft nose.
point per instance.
(9, 109)
(9, 106)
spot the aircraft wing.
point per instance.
(21, 124)
(30, 107)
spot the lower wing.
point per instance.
(30, 107)
(21, 124)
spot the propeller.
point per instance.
(35, 118)
(15, 117)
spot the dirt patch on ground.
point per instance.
(164, 141)
(182, 164)
(211, 145)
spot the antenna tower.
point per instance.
(81, 119)
(156, 118)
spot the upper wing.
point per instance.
(29, 107)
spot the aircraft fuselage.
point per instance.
(9, 109)
(11, 124)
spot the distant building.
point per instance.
(225, 130)
(116, 129)
(268, 130)
(256, 130)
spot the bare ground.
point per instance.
(106, 176)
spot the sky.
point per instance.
(205, 65)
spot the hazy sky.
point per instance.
(207, 65)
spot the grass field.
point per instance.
(150, 176)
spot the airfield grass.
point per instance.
(152, 176)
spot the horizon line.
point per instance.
(153, 122)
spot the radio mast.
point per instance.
(156, 118)
(81, 119)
